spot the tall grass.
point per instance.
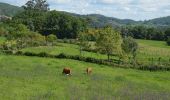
(41, 78)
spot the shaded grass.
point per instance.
(40, 78)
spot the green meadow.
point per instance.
(148, 49)
(34, 78)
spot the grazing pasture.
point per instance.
(69, 49)
(148, 49)
(35, 78)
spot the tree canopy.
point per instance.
(109, 41)
(41, 5)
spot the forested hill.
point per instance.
(164, 21)
(9, 10)
(95, 20)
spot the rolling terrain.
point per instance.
(35, 78)
(94, 20)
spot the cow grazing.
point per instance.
(89, 70)
(67, 71)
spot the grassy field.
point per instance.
(147, 49)
(153, 49)
(32, 78)
(69, 49)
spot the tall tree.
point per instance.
(130, 47)
(109, 41)
(41, 5)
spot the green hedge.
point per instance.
(93, 60)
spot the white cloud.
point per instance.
(134, 9)
(59, 1)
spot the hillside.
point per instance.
(24, 77)
(9, 10)
(95, 20)
(101, 20)
(163, 21)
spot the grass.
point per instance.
(69, 49)
(147, 49)
(153, 49)
(35, 78)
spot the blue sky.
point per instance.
(124, 9)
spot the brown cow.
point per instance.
(89, 70)
(67, 71)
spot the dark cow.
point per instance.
(67, 71)
(89, 70)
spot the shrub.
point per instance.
(62, 55)
(19, 53)
(168, 41)
(30, 54)
(43, 54)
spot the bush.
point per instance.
(3, 31)
(29, 54)
(19, 53)
(62, 55)
(43, 54)
(168, 41)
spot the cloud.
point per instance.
(125, 9)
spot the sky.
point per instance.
(123, 9)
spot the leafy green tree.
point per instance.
(3, 31)
(167, 33)
(109, 41)
(82, 41)
(62, 25)
(130, 46)
(168, 41)
(51, 38)
(40, 5)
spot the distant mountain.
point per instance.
(9, 10)
(101, 20)
(94, 20)
(163, 21)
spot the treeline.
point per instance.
(146, 32)
(52, 22)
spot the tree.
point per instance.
(130, 46)
(40, 5)
(109, 41)
(167, 33)
(3, 31)
(51, 38)
(168, 41)
(62, 25)
(82, 41)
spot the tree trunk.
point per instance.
(108, 55)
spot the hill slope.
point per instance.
(163, 21)
(9, 10)
(95, 20)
